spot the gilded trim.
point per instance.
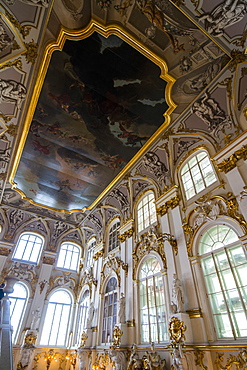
(231, 162)
(58, 45)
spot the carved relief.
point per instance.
(211, 114)
(172, 203)
(4, 251)
(88, 278)
(148, 242)
(12, 92)
(229, 163)
(5, 40)
(123, 201)
(125, 235)
(152, 163)
(64, 280)
(240, 361)
(113, 263)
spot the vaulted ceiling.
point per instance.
(87, 87)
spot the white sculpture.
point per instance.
(121, 312)
(177, 297)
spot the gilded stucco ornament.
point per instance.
(17, 63)
(31, 52)
(199, 357)
(237, 58)
(232, 362)
(84, 337)
(87, 279)
(30, 340)
(117, 333)
(229, 163)
(48, 260)
(24, 30)
(177, 329)
(228, 83)
(113, 264)
(64, 280)
(22, 271)
(172, 203)
(171, 240)
(98, 254)
(148, 242)
(102, 361)
(233, 210)
(4, 251)
(125, 235)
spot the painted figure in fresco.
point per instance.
(12, 92)
(177, 297)
(210, 112)
(121, 312)
(224, 15)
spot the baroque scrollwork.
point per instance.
(177, 330)
(88, 278)
(240, 361)
(231, 162)
(125, 235)
(31, 52)
(199, 357)
(172, 203)
(148, 242)
(113, 263)
(98, 254)
(24, 30)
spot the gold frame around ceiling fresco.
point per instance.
(65, 34)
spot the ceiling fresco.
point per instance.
(100, 102)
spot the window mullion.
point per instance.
(157, 321)
(224, 295)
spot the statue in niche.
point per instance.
(122, 306)
(90, 315)
(177, 297)
(36, 318)
(211, 114)
(12, 92)
(152, 360)
(224, 15)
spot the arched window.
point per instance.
(69, 257)
(113, 236)
(197, 174)
(18, 300)
(110, 310)
(57, 318)
(28, 248)
(82, 315)
(91, 246)
(224, 264)
(153, 321)
(146, 212)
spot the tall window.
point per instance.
(224, 265)
(146, 212)
(18, 304)
(56, 324)
(69, 257)
(197, 174)
(110, 310)
(113, 236)
(83, 312)
(90, 250)
(152, 303)
(28, 248)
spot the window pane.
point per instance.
(18, 301)
(28, 248)
(69, 256)
(146, 212)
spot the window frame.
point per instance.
(82, 315)
(69, 319)
(112, 235)
(18, 246)
(106, 319)
(140, 211)
(224, 292)
(89, 252)
(73, 253)
(13, 301)
(160, 275)
(186, 163)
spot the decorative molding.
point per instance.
(98, 254)
(117, 333)
(176, 329)
(31, 52)
(237, 58)
(172, 203)
(199, 357)
(231, 162)
(170, 239)
(148, 242)
(240, 361)
(113, 263)
(48, 260)
(94, 329)
(233, 210)
(125, 235)
(4, 251)
(131, 323)
(195, 313)
(24, 30)
(17, 63)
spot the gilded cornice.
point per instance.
(229, 163)
(172, 203)
(125, 235)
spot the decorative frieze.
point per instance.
(172, 203)
(125, 235)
